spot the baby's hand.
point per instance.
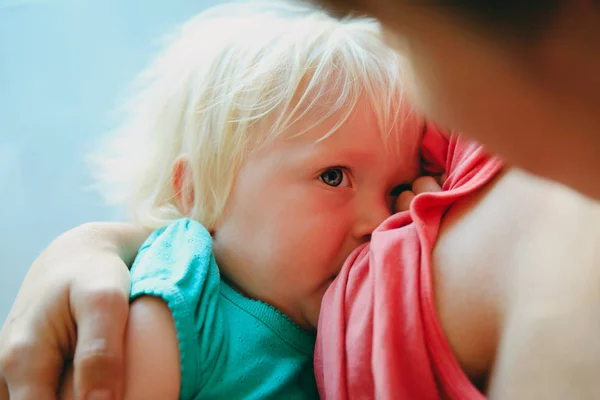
(422, 184)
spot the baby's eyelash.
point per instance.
(343, 168)
(346, 170)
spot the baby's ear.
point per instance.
(183, 185)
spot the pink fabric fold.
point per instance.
(379, 336)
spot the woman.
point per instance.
(521, 77)
(518, 76)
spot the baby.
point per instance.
(264, 145)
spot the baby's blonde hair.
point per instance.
(232, 79)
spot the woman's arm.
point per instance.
(73, 304)
(151, 354)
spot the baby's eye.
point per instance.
(335, 177)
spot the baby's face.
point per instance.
(300, 206)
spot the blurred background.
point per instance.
(63, 66)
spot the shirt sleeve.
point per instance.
(176, 264)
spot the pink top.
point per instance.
(379, 335)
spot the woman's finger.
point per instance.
(441, 179)
(33, 341)
(29, 370)
(101, 317)
(403, 201)
(425, 184)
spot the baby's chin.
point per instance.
(313, 321)
(307, 321)
(310, 308)
(312, 312)
(315, 309)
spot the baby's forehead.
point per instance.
(394, 124)
(357, 143)
(361, 129)
(361, 126)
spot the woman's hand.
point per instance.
(422, 184)
(73, 305)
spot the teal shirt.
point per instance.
(231, 347)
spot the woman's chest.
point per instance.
(517, 236)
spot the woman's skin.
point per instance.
(536, 103)
(60, 313)
(517, 288)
